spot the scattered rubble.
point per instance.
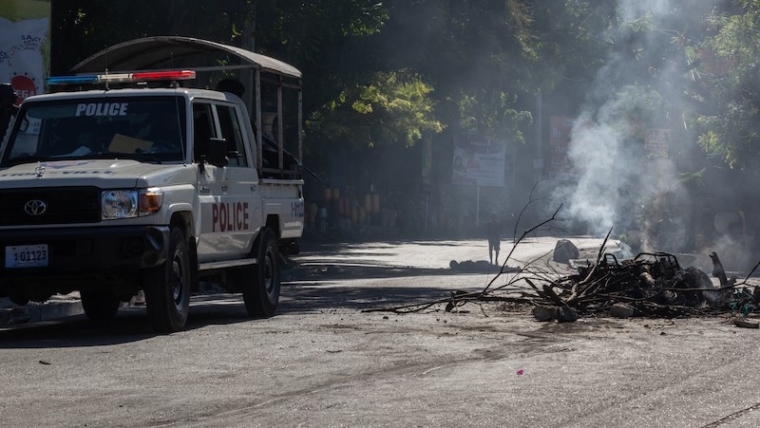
(650, 285)
(57, 307)
(647, 285)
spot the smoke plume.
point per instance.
(617, 183)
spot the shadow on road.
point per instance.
(130, 325)
(77, 331)
(307, 297)
(332, 287)
(306, 289)
(327, 270)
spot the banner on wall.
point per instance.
(478, 161)
(24, 45)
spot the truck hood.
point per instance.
(102, 173)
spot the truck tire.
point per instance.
(167, 287)
(262, 294)
(99, 306)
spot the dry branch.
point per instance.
(652, 284)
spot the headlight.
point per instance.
(130, 203)
(119, 204)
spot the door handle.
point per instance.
(224, 187)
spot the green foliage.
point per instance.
(572, 40)
(493, 115)
(477, 62)
(385, 73)
(480, 57)
(388, 111)
(693, 179)
(731, 129)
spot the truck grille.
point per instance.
(64, 205)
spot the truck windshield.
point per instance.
(142, 128)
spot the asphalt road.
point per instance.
(326, 361)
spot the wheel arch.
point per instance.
(273, 223)
(183, 220)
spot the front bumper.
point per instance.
(82, 251)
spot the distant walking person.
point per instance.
(493, 232)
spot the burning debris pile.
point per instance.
(647, 285)
(650, 284)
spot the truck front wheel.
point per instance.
(261, 293)
(167, 287)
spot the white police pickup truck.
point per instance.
(129, 181)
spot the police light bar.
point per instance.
(143, 76)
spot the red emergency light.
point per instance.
(163, 75)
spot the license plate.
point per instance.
(26, 256)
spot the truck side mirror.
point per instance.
(217, 152)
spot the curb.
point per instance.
(57, 307)
(11, 314)
(51, 310)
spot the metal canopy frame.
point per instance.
(156, 52)
(147, 52)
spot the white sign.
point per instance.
(21, 58)
(479, 162)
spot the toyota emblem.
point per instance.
(35, 207)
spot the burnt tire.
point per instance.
(261, 293)
(167, 287)
(99, 306)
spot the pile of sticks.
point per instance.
(650, 284)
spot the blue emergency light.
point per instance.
(143, 76)
(72, 80)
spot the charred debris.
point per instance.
(649, 285)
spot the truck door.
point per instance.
(242, 196)
(212, 242)
(226, 193)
